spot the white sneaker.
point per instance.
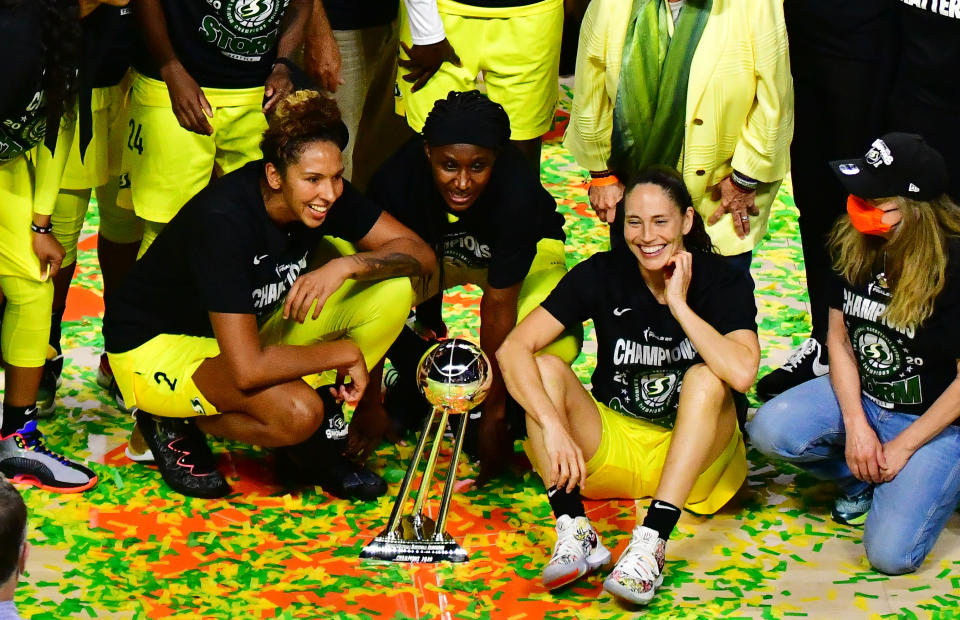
(639, 572)
(578, 552)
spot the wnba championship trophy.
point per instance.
(454, 376)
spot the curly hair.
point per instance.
(300, 119)
(670, 181)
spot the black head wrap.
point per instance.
(467, 118)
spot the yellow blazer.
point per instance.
(739, 104)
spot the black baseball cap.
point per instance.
(897, 164)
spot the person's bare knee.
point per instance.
(704, 381)
(303, 416)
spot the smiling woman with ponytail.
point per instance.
(885, 424)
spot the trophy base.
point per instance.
(415, 541)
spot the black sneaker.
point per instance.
(182, 455)
(808, 362)
(320, 461)
(49, 383)
(337, 475)
(25, 458)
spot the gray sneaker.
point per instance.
(25, 458)
(852, 510)
(578, 552)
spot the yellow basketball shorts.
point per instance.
(519, 56)
(548, 267)
(103, 155)
(629, 461)
(167, 164)
(158, 375)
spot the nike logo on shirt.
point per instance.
(621, 311)
(257, 259)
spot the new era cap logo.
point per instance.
(849, 169)
(879, 154)
(914, 188)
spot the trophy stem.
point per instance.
(426, 482)
(439, 530)
(404, 492)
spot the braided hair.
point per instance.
(467, 118)
(60, 47)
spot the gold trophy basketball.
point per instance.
(454, 376)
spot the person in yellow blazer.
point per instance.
(733, 124)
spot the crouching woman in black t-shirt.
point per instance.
(885, 424)
(676, 338)
(214, 327)
(471, 194)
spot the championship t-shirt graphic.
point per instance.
(901, 368)
(20, 133)
(642, 351)
(222, 43)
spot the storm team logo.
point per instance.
(655, 393)
(878, 356)
(249, 16)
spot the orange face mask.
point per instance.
(865, 217)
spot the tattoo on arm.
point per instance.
(391, 265)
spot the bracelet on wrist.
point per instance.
(604, 181)
(600, 174)
(42, 230)
(286, 62)
(743, 182)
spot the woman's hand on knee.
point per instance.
(315, 286)
(567, 467)
(864, 453)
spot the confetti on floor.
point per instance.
(130, 548)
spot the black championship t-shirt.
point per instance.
(907, 369)
(499, 232)
(222, 43)
(642, 352)
(354, 15)
(109, 43)
(930, 52)
(23, 120)
(222, 253)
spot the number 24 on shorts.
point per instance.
(134, 140)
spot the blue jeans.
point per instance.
(804, 426)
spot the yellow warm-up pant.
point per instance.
(27, 184)
(158, 375)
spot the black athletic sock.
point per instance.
(332, 433)
(15, 418)
(56, 318)
(564, 503)
(662, 517)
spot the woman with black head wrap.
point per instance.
(470, 194)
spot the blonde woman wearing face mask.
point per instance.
(885, 423)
